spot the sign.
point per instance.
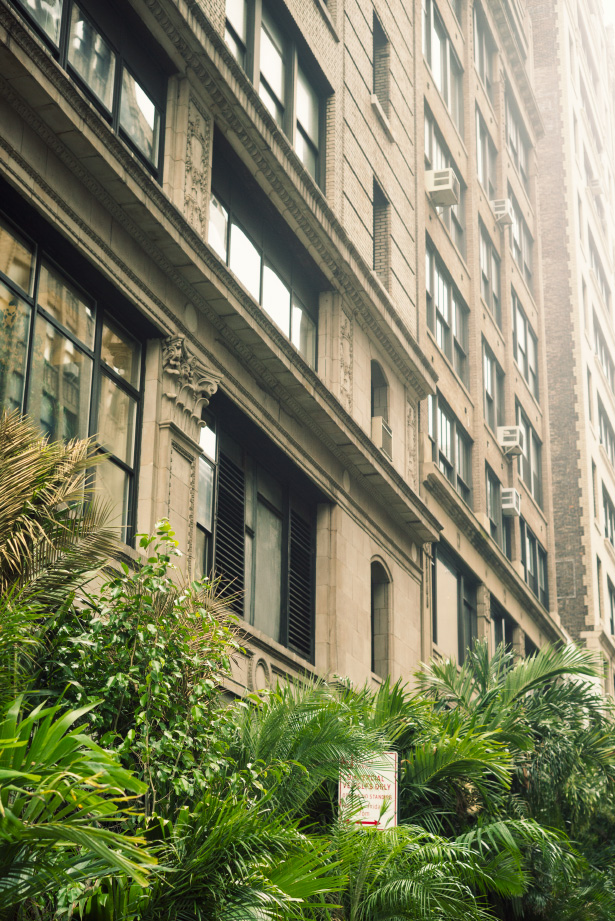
(369, 791)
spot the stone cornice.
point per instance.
(464, 518)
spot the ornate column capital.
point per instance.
(187, 387)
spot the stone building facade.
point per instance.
(575, 71)
(218, 256)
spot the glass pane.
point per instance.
(112, 486)
(235, 47)
(48, 15)
(60, 384)
(276, 299)
(268, 577)
(306, 153)
(121, 353)
(91, 57)
(117, 413)
(303, 333)
(139, 118)
(207, 442)
(237, 15)
(271, 103)
(307, 107)
(245, 261)
(205, 505)
(16, 259)
(272, 57)
(446, 609)
(14, 332)
(66, 304)
(218, 227)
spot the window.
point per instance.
(69, 364)
(611, 591)
(493, 380)
(381, 432)
(603, 354)
(609, 516)
(379, 620)
(437, 158)
(521, 241)
(494, 506)
(264, 539)
(451, 446)
(447, 315)
(443, 62)
(484, 49)
(525, 346)
(381, 217)
(485, 158)
(251, 238)
(490, 275)
(599, 580)
(454, 611)
(534, 562)
(530, 462)
(503, 626)
(381, 65)
(206, 496)
(288, 82)
(590, 397)
(607, 435)
(599, 273)
(516, 139)
(122, 69)
(594, 490)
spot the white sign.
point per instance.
(369, 791)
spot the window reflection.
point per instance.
(271, 87)
(303, 333)
(91, 57)
(245, 261)
(218, 227)
(276, 299)
(113, 486)
(66, 304)
(16, 259)
(60, 384)
(121, 353)
(139, 117)
(117, 412)
(15, 325)
(236, 34)
(48, 15)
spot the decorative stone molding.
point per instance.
(187, 387)
(411, 444)
(346, 349)
(198, 154)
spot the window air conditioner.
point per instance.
(594, 186)
(382, 436)
(511, 503)
(503, 210)
(443, 187)
(510, 439)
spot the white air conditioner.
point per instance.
(382, 436)
(443, 187)
(510, 439)
(503, 210)
(511, 503)
(594, 187)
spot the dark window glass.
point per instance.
(454, 618)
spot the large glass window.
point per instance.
(525, 345)
(106, 48)
(490, 275)
(609, 516)
(287, 81)
(493, 381)
(521, 242)
(447, 314)
(443, 62)
(516, 138)
(599, 273)
(485, 158)
(603, 354)
(499, 526)
(247, 233)
(454, 613)
(607, 434)
(534, 562)
(437, 157)
(451, 446)
(379, 619)
(484, 49)
(68, 364)
(530, 462)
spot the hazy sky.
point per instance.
(609, 10)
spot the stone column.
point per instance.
(483, 616)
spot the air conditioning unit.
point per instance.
(594, 187)
(511, 503)
(503, 210)
(510, 439)
(443, 187)
(382, 436)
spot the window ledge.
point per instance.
(382, 116)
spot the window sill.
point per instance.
(382, 117)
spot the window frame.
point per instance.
(521, 242)
(437, 156)
(606, 433)
(484, 49)
(490, 274)
(517, 141)
(486, 158)
(493, 390)
(529, 463)
(467, 603)
(447, 323)
(449, 82)
(534, 562)
(523, 358)
(454, 458)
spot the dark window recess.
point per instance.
(230, 530)
(381, 234)
(455, 625)
(106, 48)
(503, 626)
(381, 59)
(300, 582)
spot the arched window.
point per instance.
(380, 583)
(381, 431)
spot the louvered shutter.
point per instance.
(230, 530)
(300, 586)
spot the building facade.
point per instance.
(574, 84)
(222, 256)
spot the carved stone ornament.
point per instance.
(411, 445)
(196, 190)
(187, 387)
(346, 348)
